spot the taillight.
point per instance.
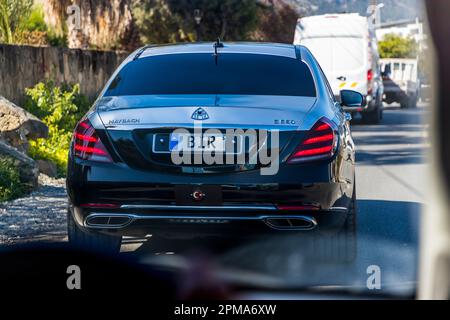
(369, 81)
(369, 75)
(320, 143)
(87, 145)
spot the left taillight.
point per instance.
(87, 145)
(320, 143)
(369, 75)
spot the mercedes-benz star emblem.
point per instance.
(200, 114)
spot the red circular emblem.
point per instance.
(198, 195)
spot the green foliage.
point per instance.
(56, 40)
(23, 23)
(168, 21)
(10, 185)
(35, 21)
(394, 46)
(60, 108)
(13, 17)
(54, 148)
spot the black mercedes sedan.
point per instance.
(214, 139)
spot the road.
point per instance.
(391, 167)
(390, 170)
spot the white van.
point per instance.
(346, 48)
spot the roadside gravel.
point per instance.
(41, 216)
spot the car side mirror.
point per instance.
(352, 99)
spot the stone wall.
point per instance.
(23, 66)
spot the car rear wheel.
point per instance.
(90, 240)
(342, 245)
(372, 117)
(413, 100)
(409, 101)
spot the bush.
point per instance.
(13, 17)
(10, 185)
(34, 29)
(35, 21)
(60, 108)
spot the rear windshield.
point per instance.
(246, 74)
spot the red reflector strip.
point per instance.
(313, 152)
(90, 150)
(297, 208)
(99, 205)
(85, 137)
(323, 127)
(327, 137)
(84, 125)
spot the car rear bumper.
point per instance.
(221, 221)
(298, 197)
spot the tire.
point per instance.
(341, 247)
(372, 117)
(409, 101)
(413, 101)
(404, 103)
(98, 242)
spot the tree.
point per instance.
(167, 21)
(277, 21)
(231, 20)
(158, 24)
(395, 46)
(104, 25)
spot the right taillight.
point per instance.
(87, 145)
(320, 143)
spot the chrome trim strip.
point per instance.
(107, 226)
(338, 209)
(134, 217)
(129, 127)
(312, 223)
(201, 208)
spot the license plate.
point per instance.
(196, 142)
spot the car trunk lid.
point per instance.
(136, 123)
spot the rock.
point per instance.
(47, 167)
(18, 125)
(27, 167)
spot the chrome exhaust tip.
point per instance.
(291, 223)
(105, 221)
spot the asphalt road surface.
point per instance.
(390, 172)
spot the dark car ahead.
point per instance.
(224, 139)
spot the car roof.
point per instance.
(274, 49)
